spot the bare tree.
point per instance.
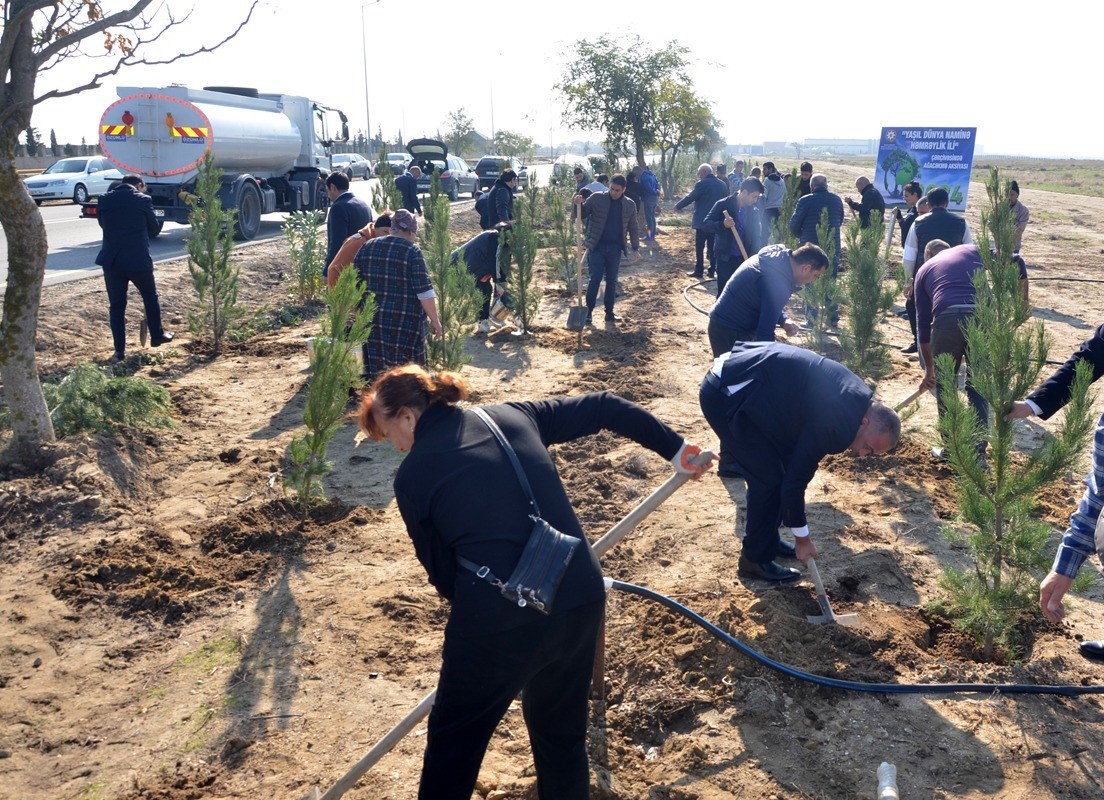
(37, 36)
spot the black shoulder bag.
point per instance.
(544, 560)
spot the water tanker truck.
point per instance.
(273, 149)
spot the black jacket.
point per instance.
(127, 218)
(458, 495)
(871, 200)
(1054, 393)
(407, 185)
(804, 405)
(500, 204)
(480, 255)
(348, 214)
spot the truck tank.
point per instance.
(163, 134)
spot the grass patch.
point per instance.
(215, 653)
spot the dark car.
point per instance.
(490, 167)
(456, 176)
(353, 165)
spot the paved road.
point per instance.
(74, 242)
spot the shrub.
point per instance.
(562, 265)
(385, 194)
(308, 254)
(867, 300)
(88, 399)
(347, 322)
(1006, 353)
(522, 249)
(458, 298)
(214, 277)
(822, 295)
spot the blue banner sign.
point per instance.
(931, 156)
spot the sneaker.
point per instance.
(590, 316)
(614, 318)
(911, 348)
(939, 454)
(485, 326)
(695, 274)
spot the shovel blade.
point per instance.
(847, 620)
(576, 318)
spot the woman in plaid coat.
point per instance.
(394, 271)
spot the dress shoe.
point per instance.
(1094, 651)
(912, 348)
(767, 571)
(116, 357)
(162, 339)
(611, 317)
(695, 274)
(711, 274)
(785, 550)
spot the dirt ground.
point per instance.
(171, 630)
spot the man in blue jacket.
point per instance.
(807, 212)
(500, 202)
(348, 214)
(650, 196)
(754, 299)
(127, 218)
(778, 410)
(744, 217)
(705, 194)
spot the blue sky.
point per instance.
(776, 72)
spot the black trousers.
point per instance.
(485, 286)
(703, 247)
(550, 661)
(751, 455)
(117, 281)
(726, 268)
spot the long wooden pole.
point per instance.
(421, 711)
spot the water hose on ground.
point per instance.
(836, 683)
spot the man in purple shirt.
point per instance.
(945, 301)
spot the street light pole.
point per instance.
(364, 55)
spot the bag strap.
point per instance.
(498, 434)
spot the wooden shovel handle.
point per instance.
(736, 233)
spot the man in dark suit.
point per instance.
(127, 218)
(870, 200)
(1085, 534)
(407, 184)
(348, 214)
(778, 410)
(705, 194)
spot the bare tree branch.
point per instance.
(73, 39)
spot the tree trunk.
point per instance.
(26, 235)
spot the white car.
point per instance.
(75, 179)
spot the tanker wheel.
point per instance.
(248, 222)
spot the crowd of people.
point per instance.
(494, 649)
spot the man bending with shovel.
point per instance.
(778, 410)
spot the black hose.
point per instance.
(855, 686)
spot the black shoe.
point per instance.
(1094, 651)
(611, 317)
(590, 316)
(711, 274)
(117, 357)
(162, 339)
(768, 571)
(912, 348)
(785, 550)
(695, 274)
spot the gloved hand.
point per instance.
(682, 465)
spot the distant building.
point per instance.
(842, 147)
